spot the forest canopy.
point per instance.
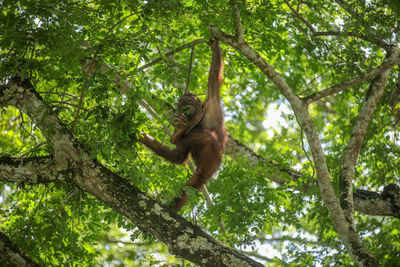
(311, 98)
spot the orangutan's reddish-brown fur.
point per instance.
(199, 129)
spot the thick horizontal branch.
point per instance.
(387, 64)
(386, 203)
(32, 170)
(182, 238)
(11, 255)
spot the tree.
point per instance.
(80, 80)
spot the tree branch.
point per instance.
(309, 25)
(330, 33)
(127, 85)
(290, 238)
(388, 63)
(239, 28)
(376, 40)
(353, 147)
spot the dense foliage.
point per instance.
(112, 69)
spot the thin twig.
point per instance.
(167, 130)
(210, 203)
(118, 22)
(352, 34)
(36, 210)
(30, 150)
(31, 69)
(126, 85)
(80, 101)
(313, 79)
(308, 24)
(65, 200)
(58, 93)
(304, 149)
(378, 41)
(151, 32)
(153, 113)
(22, 125)
(258, 256)
(190, 70)
(188, 45)
(148, 171)
(69, 104)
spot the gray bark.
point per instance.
(386, 203)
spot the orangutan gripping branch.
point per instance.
(199, 129)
